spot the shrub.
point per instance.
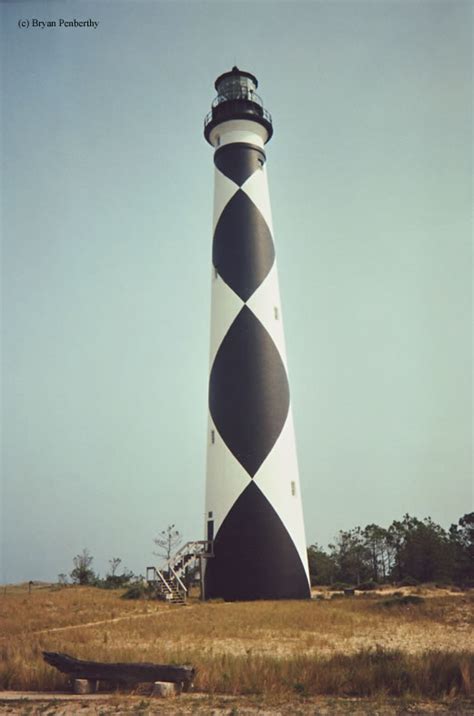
(408, 582)
(83, 573)
(339, 587)
(402, 601)
(116, 581)
(139, 590)
(367, 586)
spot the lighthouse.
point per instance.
(253, 506)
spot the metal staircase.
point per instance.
(167, 582)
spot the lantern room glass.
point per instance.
(236, 87)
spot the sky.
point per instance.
(107, 189)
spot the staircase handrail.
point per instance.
(162, 577)
(185, 548)
(178, 579)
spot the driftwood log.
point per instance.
(134, 673)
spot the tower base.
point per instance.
(254, 556)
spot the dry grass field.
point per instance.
(351, 647)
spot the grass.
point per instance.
(368, 673)
(22, 612)
(345, 647)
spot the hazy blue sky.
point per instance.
(107, 212)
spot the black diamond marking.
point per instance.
(255, 557)
(249, 395)
(242, 250)
(238, 161)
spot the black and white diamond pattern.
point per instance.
(249, 376)
(242, 250)
(252, 485)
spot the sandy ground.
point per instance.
(29, 703)
(410, 637)
(84, 625)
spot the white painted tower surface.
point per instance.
(253, 501)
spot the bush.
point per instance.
(83, 572)
(116, 581)
(367, 586)
(402, 601)
(139, 590)
(408, 582)
(339, 587)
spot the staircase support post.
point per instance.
(201, 576)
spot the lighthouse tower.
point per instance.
(253, 501)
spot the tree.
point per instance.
(375, 539)
(461, 537)
(351, 556)
(112, 579)
(167, 542)
(422, 550)
(395, 540)
(410, 549)
(82, 572)
(322, 566)
(114, 565)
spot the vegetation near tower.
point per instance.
(83, 572)
(167, 542)
(409, 550)
(115, 562)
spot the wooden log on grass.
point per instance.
(133, 673)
